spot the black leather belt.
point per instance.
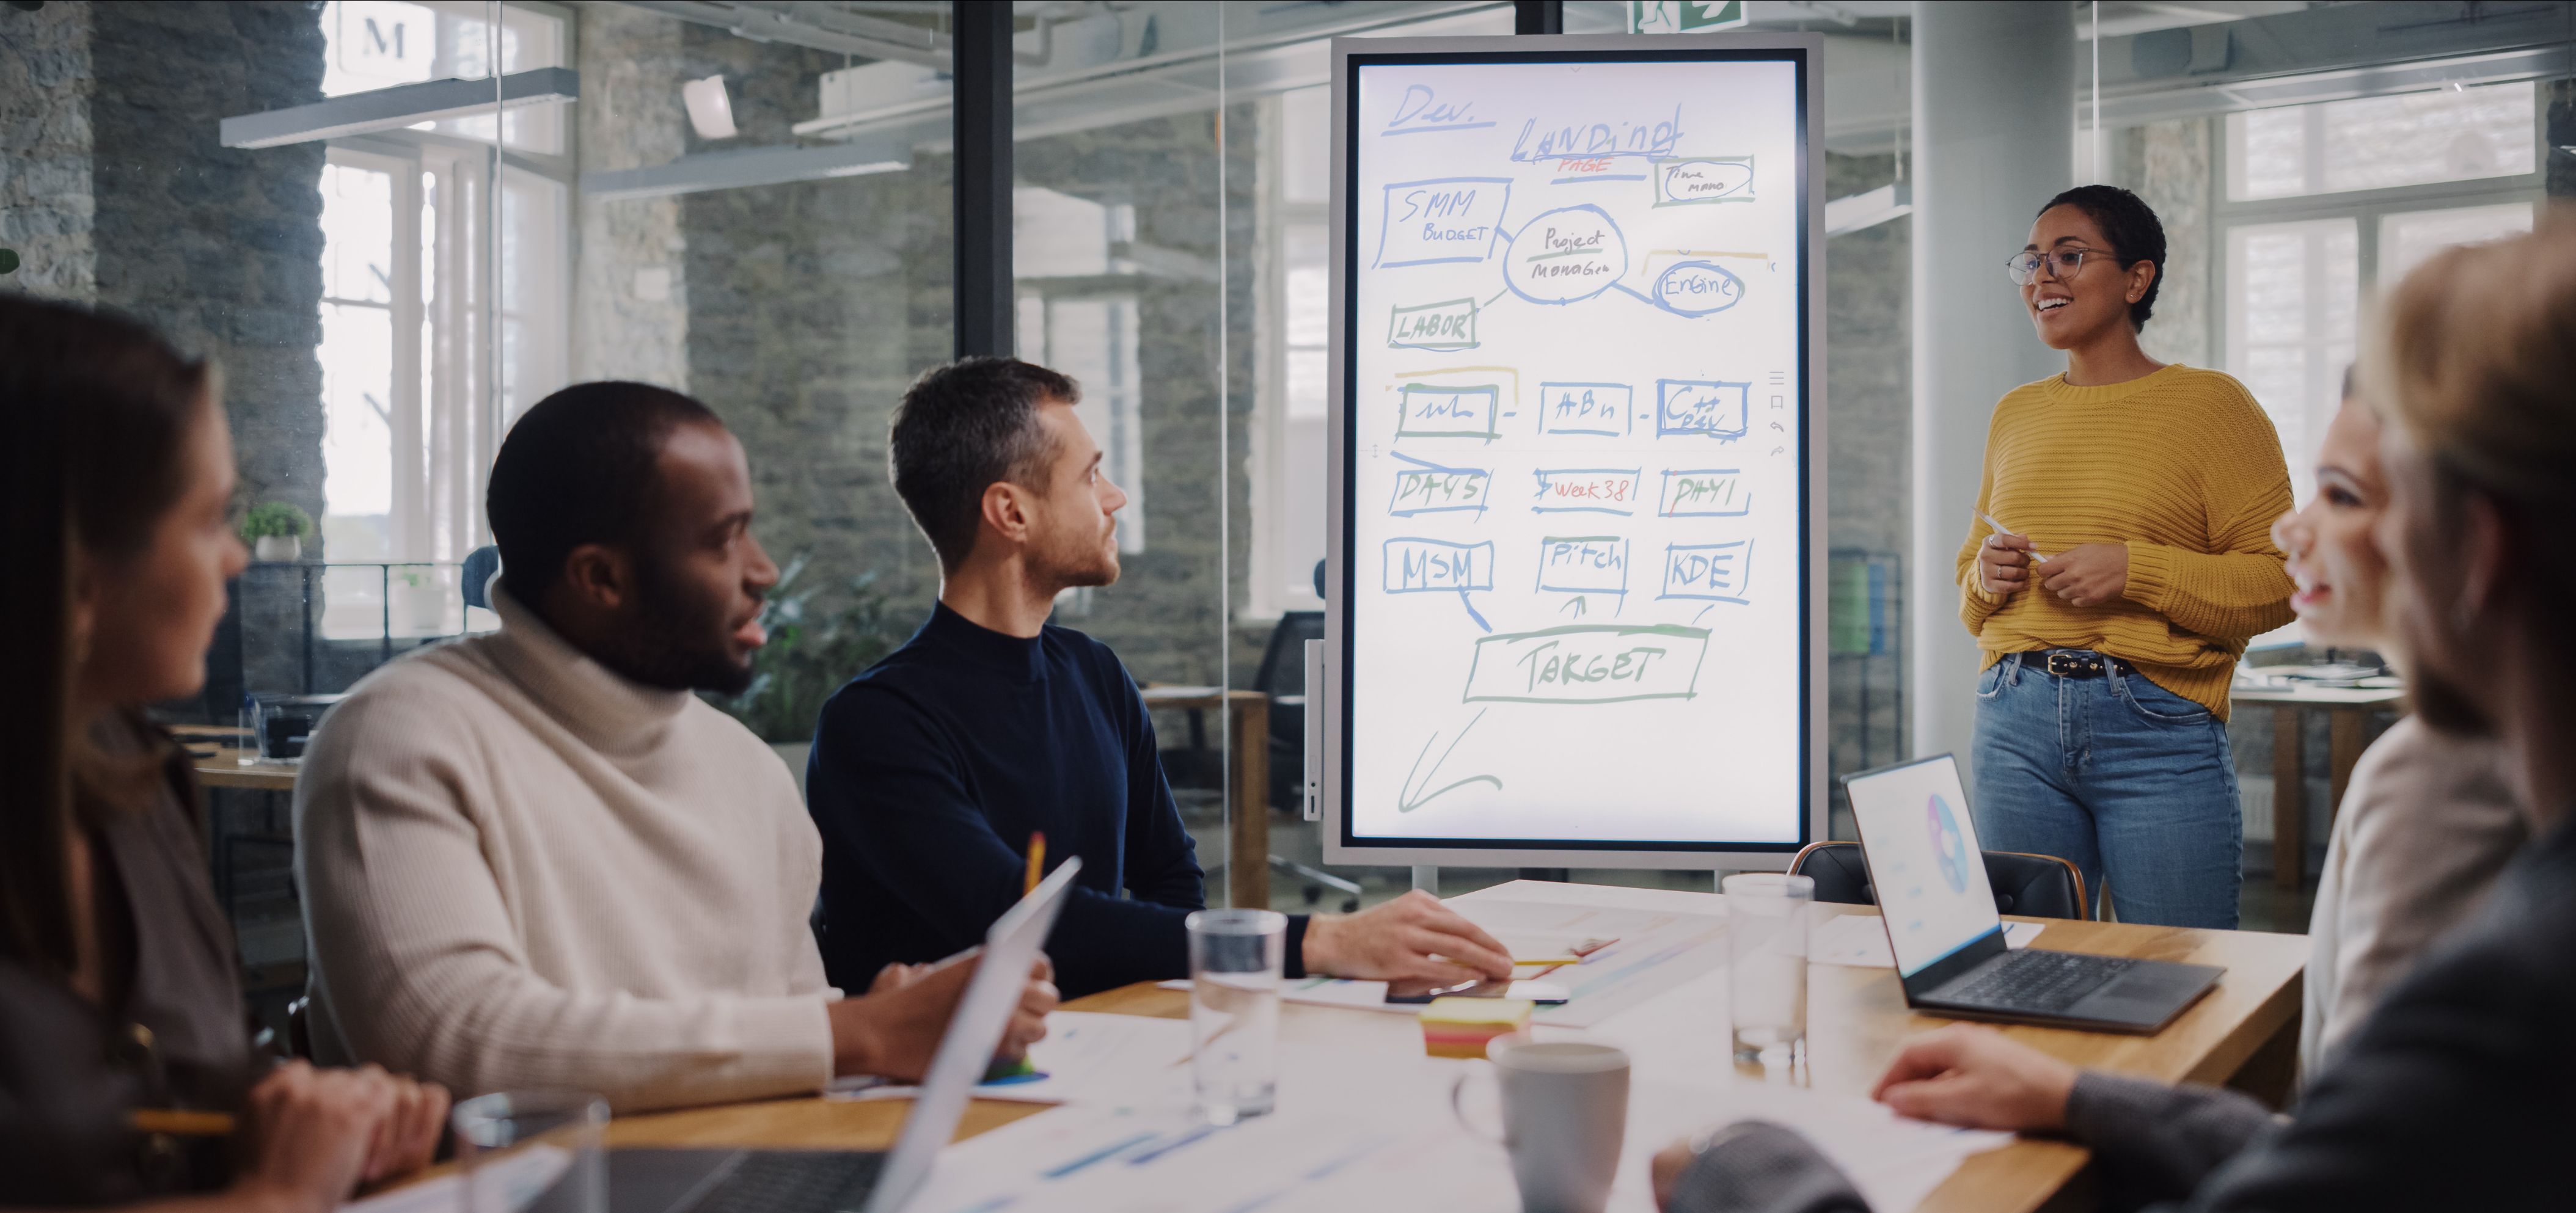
(2069, 663)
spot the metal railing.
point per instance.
(305, 574)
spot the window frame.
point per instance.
(463, 399)
(2365, 208)
(1270, 590)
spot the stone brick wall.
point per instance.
(2172, 166)
(630, 292)
(800, 312)
(45, 200)
(1165, 616)
(218, 248)
(810, 306)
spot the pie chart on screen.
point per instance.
(1949, 847)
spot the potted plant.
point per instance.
(811, 652)
(276, 531)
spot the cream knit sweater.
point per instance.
(521, 870)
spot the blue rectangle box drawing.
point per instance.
(1425, 487)
(1583, 564)
(1584, 408)
(1714, 408)
(1707, 572)
(1440, 221)
(1432, 410)
(1704, 493)
(1432, 566)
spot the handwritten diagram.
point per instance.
(1576, 447)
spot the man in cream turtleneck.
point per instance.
(536, 859)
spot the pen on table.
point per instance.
(1037, 861)
(180, 1122)
(2000, 528)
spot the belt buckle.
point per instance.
(2070, 665)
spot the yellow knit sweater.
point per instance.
(2183, 467)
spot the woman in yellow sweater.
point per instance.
(2140, 497)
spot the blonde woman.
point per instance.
(2454, 1093)
(2428, 821)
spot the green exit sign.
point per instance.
(1683, 16)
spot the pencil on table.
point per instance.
(180, 1122)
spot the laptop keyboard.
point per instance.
(793, 1181)
(2045, 982)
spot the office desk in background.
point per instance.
(1247, 799)
(2244, 1032)
(2348, 712)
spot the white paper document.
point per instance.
(1086, 1057)
(1392, 1144)
(1860, 940)
(514, 1180)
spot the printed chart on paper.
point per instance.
(1575, 464)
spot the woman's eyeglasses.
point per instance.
(2063, 263)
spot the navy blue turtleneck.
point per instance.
(931, 770)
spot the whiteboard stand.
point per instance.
(1426, 877)
(1539, 382)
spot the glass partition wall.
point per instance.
(397, 224)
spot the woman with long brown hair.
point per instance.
(119, 995)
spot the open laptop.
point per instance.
(859, 1181)
(1921, 848)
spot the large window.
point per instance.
(410, 313)
(2326, 203)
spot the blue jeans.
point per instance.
(2119, 776)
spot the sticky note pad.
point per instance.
(1459, 1027)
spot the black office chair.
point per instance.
(2034, 886)
(475, 578)
(1282, 677)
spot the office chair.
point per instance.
(2035, 886)
(481, 566)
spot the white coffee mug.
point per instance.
(1565, 1112)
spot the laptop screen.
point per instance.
(1923, 859)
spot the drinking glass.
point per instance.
(1767, 950)
(532, 1152)
(1235, 967)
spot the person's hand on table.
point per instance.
(1667, 1167)
(1413, 937)
(895, 977)
(2003, 564)
(1978, 1078)
(408, 1138)
(2088, 574)
(894, 1029)
(1028, 1020)
(315, 1135)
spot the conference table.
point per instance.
(2244, 1033)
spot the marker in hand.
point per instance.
(1992, 521)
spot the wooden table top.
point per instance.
(225, 770)
(1856, 1019)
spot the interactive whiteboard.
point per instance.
(1575, 609)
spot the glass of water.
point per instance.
(532, 1152)
(1767, 981)
(1235, 968)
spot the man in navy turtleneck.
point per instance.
(931, 771)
